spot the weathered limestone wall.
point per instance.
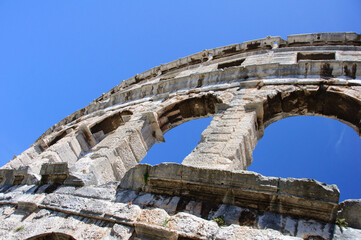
(83, 173)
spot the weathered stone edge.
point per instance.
(302, 197)
(316, 39)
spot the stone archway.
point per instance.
(52, 236)
(245, 87)
(338, 103)
(184, 110)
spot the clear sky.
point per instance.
(57, 56)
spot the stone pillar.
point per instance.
(228, 142)
(119, 151)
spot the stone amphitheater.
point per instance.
(81, 179)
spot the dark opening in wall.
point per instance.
(57, 138)
(315, 56)
(231, 64)
(252, 46)
(18, 179)
(110, 123)
(52, 236)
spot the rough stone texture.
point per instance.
(301, 197)
(154, 216)
(347, 233)
(350, 210)
(80, 179)
(193, 226)
(234, 232)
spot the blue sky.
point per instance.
(57, 56)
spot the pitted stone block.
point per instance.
(18, 176)
(54, 173)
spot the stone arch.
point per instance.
(52, 236)
(259, 82)
(324, 101)
(185, 110)
(229, 141)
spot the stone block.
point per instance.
(216, 137)
(122, 232)
(231, 214)
(6, 176)
(96, 207)
(270, 220)
(154, 216)
(234, 232)
(137, 145)
(65, 152)
(27, 206)
(126, 155)
(309, 188)
(210, 147)
(56, 200)
(76, 204)
(24, 158)
(242, 188)
(350, 210)
(54, 168)
(194, 208)
(290, 225)
(312, 228)
(75, 146)
(96, 192)
(196, 226)
(146, 231)
(126, 196)
(145, 200)
(54, 173)
(51, 157)
(123, 212)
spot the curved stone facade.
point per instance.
(81, 179)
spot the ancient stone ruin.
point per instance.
(81, 179)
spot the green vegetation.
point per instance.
(341, 223)
(165, 222)
(219, 220)
(19, 228)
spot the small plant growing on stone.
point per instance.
(341, 222)
(18, 229)
(219, 220)
(165, 222)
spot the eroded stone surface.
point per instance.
(350, 210)
(81, 174)
(307, 198)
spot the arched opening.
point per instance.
(179, 142)
(109, 124)
(317, 101)
(311, 147)
(182, 123)
(52, 236)
(185, 110)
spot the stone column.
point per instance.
(228, 142)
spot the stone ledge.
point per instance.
(302, 197)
